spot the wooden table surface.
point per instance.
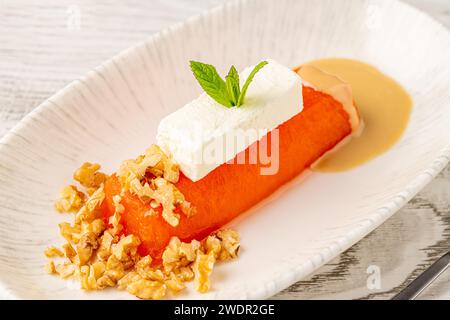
(46, 44)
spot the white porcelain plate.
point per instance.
(112, 114)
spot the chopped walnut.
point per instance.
(120, 266)
(71, 200)
(68, 232)
(96, 227)
(105, 281)
(230, 244)
(90, 211)
(90, 274)
(53, 252)
(129, 278)
(187, 209)
(117, 205)
(132, 170)
(69, 252)
(166, 168)
(88, 176)
(99, 268)
(100, 255)
(147, 289)
(106, 241)
(95, 200)
(162, 172)
(171, 255)
(144, 266)
(113, 263)
(189, 250)
(126, 248)
(171, 171)
(167, 195)
(178, 254)
(171, 218)
(213, 246)
(114, 220)
(114, 268)
(175, 284)
(184, 274)
(203, 267)
(146, 271)
(144, 192)
(86, 281)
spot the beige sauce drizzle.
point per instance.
(340, 90)
(384, 107)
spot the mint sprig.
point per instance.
(211, 82)
(232, 81)
(226, 92)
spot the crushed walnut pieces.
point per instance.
(52, 252)
(203, 267)
(50, 267)
(100, 256)
(106, 261)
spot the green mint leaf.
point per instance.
(232, 82)
(211, 82)
(248, 81)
